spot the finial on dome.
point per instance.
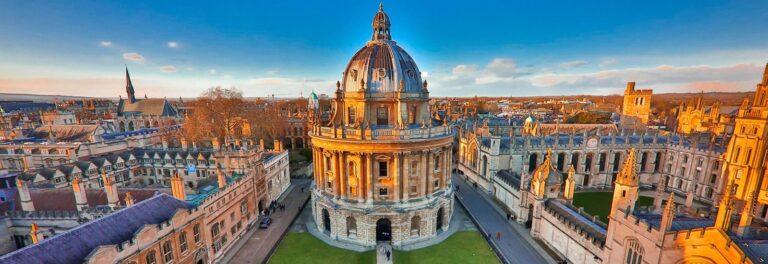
(338, 85)
(424, 86)
(381, 8)
(401, 88)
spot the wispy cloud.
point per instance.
(133, 56)
(212, 72)
(168, 68)
(105, 43)
(573, 64)
(173, 44)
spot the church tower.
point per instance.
(637, 103)
(746, 152)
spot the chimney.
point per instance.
(276, 145)
(194, 145)
(177, 187)
(111, 191)
(221, 177)
(261, 144)
(215, 144)
(26, 199)
(129, 199)
(35, 234)
(184, 144)
(165, 144)
(81, 200)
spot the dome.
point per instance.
(382, 66)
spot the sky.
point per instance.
(289, 48)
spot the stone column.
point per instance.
(425, 170)
(407, 175)
(370, 181)
(343, 176)
(396, 176)
(336, 174)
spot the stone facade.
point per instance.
(382, 163)
(637, 103)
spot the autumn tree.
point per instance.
(216, 113)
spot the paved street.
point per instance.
(257, 243)
(513, 246)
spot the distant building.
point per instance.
(134, 114)
(637, 103)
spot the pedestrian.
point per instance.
(509, 217)
(498, 235)
(388, 254)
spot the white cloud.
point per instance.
(573, 64)
(133, 56)
(168, 68)
(105, 43)
(608, 62)
(173, 44)
(212, 72)
(273, 72)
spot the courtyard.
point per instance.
(599, 203)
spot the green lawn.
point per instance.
(599, 203)
(462, 247)
(298, 248)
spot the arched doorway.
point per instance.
(529, 222)
(326, 221)
(383, 230)
(439, 221)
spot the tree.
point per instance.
(215, 113)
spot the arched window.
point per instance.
(485, 165)
(352, 178)
(415, 226)
(351, 227)
(382, 116)
(412, 115)
(437, 162)
(167, 252)
(634, 252)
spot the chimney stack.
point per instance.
(81, 199)
(177, 187)
(112, 200)
(221, 177)
(35, 234)
(129, 199)
(26, 199)
(184, 144)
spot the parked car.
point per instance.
(265, 222)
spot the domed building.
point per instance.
(382, 164)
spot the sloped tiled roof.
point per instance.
(69, 133)
(154, 107)
(74, 245)
(63, 199)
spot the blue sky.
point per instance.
(180, 48)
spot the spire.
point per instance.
(668, 215)
(381, 25)
(628, 174)
(129, 86)
(765, 75)
(570, 184)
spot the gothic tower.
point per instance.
(129, 87)
(637, 103)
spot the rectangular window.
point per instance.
(412, 115)
(351, 116)
(183, 242)
(196, 233)
(383, 191)
(167, 252)
(383, 169)
(414, 189)
(382, 116)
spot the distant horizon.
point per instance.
(496, 48)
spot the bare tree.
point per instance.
(215, 114)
